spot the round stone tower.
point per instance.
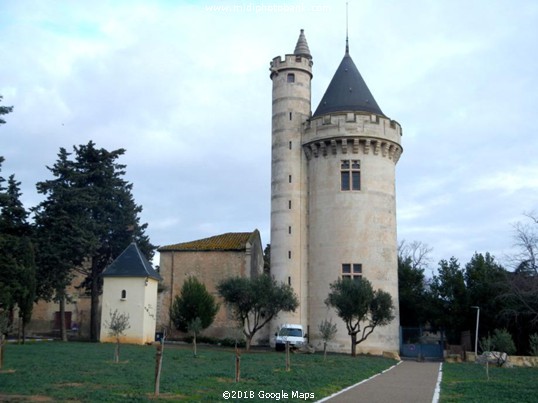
(333, 200)
(291, 78)
(352, 149)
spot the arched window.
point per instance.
(123, 294)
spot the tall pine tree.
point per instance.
(17, 264)
(91, 201)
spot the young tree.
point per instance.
(194, 309)
(355, 301)
(106, 218)
(117, 325)
(499, 346)
(255, 301)
(327, 331)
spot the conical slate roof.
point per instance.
(347, 92)
(131, 263)
(301, 49)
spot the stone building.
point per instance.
(210, 260)
(130, 287)
(333, 201)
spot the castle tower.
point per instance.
(345, 194)
(291, 78)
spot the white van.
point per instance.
(291, 333)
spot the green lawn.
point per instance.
(85, 372)
(468, 383)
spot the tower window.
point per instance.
(289, 204)
(351, 271)
(289, 178)
(290, 145)
(350, 175)
(123, 294)
(291, 78)
(289, 229)
(290, 116)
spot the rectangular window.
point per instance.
(350, 175)
(290, 145)
(291, 78)
(289, 254)
(289, 178)
(289, 229)
(351, 271)
(289, 204)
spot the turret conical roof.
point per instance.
(301, 49)
(347, 91)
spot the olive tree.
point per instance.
(356, 302)
(117, 325)
(255, 301)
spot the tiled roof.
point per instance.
(131, 263)
(229, 241)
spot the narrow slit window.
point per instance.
(289, 229)
(123, 294)
(289, 204)
(290, 145)
(289, 254)
(289, 178)
(290, 116)
(289, 280)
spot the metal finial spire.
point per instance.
(347, 36)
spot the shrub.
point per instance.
(498, 346)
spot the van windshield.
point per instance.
(291, 332)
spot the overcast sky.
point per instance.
(184, 87)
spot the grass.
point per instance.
(468, 382)
(85, 372)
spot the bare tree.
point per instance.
(117, 325)
(522, 297)
(417, 252)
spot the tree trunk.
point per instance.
(248, 341)
(23, 331)
(1, 350)
(63, 330)
(94, 312)
(324, 350)
(287, 355)
(158, 366)
(117, 351)
(354, 345)
(194, 343)
(237, 364)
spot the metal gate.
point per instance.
(421, 343)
